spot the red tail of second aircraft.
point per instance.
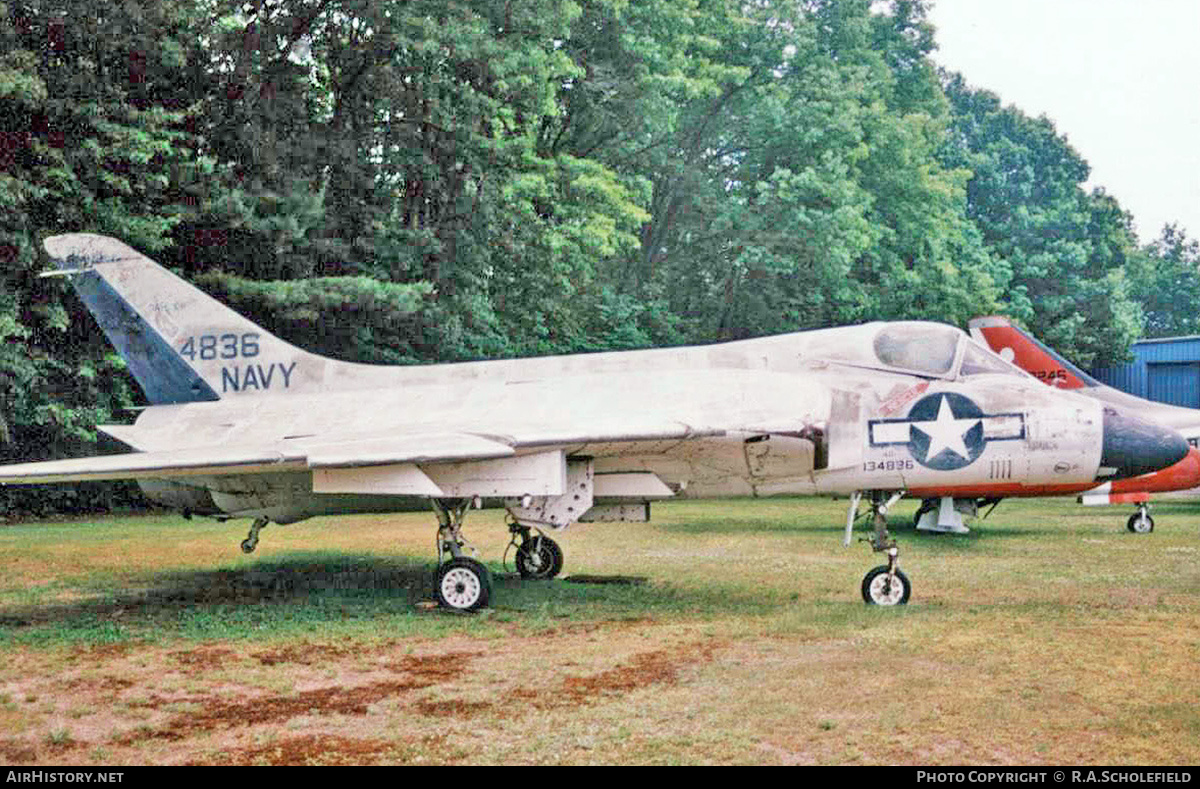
(1017, 346)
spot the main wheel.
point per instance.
(1140, 523)
(876, 590)
(462, 584)
(539, 557)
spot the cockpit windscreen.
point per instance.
(932, 350)
(980, 361)
(923, 348)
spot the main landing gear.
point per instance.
(1140, 522)
(537, 557)
(461, 583)
(885, 584)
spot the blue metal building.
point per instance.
(1166, 370)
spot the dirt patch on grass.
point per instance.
(204, 658)
(14, 751)
(434, 668)
(98, 652)
(660, 667)
(454, 708)
(18, 752)
(327, 703)
(105, 685)
(209, 713)
(304, 653)
(317, 749)
(218, 713)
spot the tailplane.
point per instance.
(182, 345)
(1017, 346)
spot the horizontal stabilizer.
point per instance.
(126, 434)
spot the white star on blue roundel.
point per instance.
(945, 431)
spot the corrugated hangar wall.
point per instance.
(1166, 370)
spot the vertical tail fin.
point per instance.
(181, 345)
(1019, 347)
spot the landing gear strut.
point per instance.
(462, 583)
(1140, 522)
(886, 584)
(251, 541)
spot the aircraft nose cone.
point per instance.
(1135, 446)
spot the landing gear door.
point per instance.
(846, 435)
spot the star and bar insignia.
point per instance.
(946, 431)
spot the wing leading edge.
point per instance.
(282, 456)
(315, 455)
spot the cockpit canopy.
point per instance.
(933, 350)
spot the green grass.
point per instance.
(159, 578)
(1049, 634)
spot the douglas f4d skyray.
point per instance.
(1023, 350)
(241, 424)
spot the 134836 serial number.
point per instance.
(888, 465)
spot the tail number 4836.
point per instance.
(220, 346)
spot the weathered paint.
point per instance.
(881, 406)
(162, 374)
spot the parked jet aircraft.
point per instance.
(241, 424)
(1021, 348)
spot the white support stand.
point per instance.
(947, 518)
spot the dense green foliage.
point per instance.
(426, 181)
(1166, 282)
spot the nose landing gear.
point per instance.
(885, 584)
(1140, 522)
(251, 541)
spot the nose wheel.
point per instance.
(885, 584)
(1140, 522)
(884, 587)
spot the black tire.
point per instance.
(1139, 525)
(539, 557)
(873, 588)
(462, 584)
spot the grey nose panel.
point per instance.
(1135, 446)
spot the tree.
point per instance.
(793, 170)
(91, 132)
(1066, 249)
(1165, 281)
